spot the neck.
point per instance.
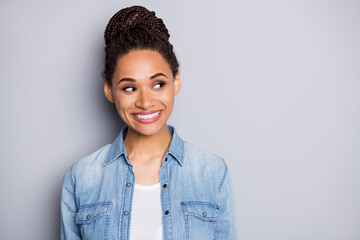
(147, 148)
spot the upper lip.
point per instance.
(146, 113)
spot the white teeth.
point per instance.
(147, 116)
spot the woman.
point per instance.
(149, 183)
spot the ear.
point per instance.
(108, 91)
(177, 83)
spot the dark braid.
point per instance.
(136, 28)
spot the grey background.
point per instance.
(272, 86)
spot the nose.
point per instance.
(145, 100)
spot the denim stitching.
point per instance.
(224, 176)
(71, 178)
(193, 213)
(122, 205)
(187, 227)
(106, 227)
(96, 204)
(105, 212)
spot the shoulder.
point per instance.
(202, 160)
(92, 163)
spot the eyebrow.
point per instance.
(133, 80)
(158, 74)
(126, 80)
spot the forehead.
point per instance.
(140, 64)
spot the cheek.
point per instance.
(122, 103)
(167, 100)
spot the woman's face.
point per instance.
(143, 90)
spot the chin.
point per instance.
(147, 129)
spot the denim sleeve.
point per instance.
(225, 227)
(69, 229)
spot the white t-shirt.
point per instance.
(146, 217)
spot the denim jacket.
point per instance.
(196, 194)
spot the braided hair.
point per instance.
(136, 28)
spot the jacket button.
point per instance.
(165, 159)
(164, 186)
(204, 214)
(88, 217)
(126, 212)
(166, 212)
(128, 184)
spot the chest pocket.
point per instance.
(93, 220)
(200, 218)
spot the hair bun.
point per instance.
(133, 17)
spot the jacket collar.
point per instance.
(176, 148)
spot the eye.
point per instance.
(159, 85)
(129, 89)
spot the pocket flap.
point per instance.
(205, 211)
(89, 213)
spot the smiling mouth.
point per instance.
(147, 117)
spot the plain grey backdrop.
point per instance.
(271, 86)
